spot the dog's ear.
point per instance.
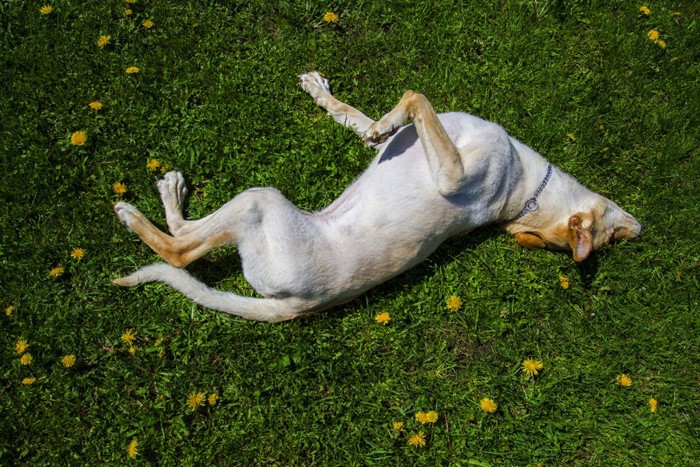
(529, 240)
(580, 238)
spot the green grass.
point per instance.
(217, 98)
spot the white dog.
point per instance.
(442, 176)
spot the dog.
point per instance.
(442, 176)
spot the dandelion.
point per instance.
(454, 303)
(129, 336)
(431, 417)
(21, 346)
(213, 399)
(132, 70)
(153, 164)
(422, 417)
(56, 272)
(383, 318)
(103, 40)
(531, 367)
(9, 310)
(653, 405)
(330, 17)
(26, 359)
(95, 105)
(488, 405)
(563, 282)
(78, 138)
(68, 361)
(132, 448)
(195, 399)
(165, 167)
(46, 10)
(133, 349)
(661, 43)
(77, 254)
(645, 10)
(623, 380)
(148, 24)
(397, 426)
(653, 35)
(119, 188)
(128, 11)
(417, 440)
(29, 381)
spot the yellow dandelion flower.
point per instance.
(422, 417)
(68, 360)
(29, 381)
(26, 359)
(46, 10)
(132, 70)
(653, 405)
(661, 43)
(21, 346)
(78, 138)
(431, 417)
(128, 11)
(148, 24)
(645, 10)
(129, 336)
(488, 405)
(133, 349)
(653, 35)
(195, 399)
(531, 367)
(383, 318)
(77, 254)
(119, 188)
(132, 448)
(213, 399)
(103, 40)
(9, 310)
(397, 426)
(56, 272)
(95, 105)
(563, 282)
(165, 167)
(623, 380)
(153, 164)
(454, 303)
(417, 440)
(330, 17)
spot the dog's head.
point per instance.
(580, 230)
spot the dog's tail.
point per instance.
(259, 309)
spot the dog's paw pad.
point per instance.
(315, 84)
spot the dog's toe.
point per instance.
(125, 213)
(314, 84)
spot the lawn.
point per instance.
(93, 374)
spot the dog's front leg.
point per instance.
(317, 87)
(443, 157)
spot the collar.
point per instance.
(531, 205)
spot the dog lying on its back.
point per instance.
(442, 176)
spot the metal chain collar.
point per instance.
(531, 204)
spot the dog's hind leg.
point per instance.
(317, 87)
(443, 157)
(172, 191)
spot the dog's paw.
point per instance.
(172, 189)
(316, 85)
(126, 214)
(380, 131)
